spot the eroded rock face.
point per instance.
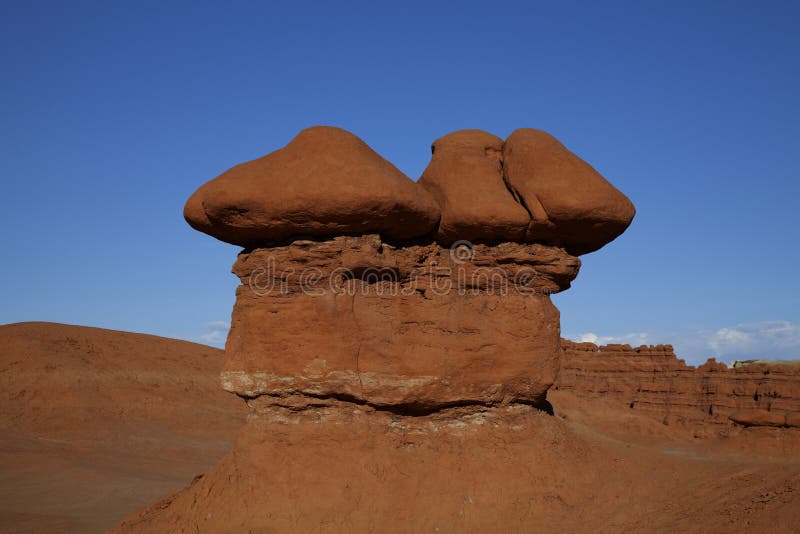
(571, 204)
(313, 470)
(415, 326)
(325, 182)
(759, 418)
(430, 357)
(529, 188)
(465, 176)
(654, 382)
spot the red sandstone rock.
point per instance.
(793, 420)
(712, 365)
(384, 398)
(325, 465)
(108, 422)
(392, 326)
(111, 425)
(570, 203)
(654, 382)
(465, 176)
(758, 418)
(325, 182)
(315, 470)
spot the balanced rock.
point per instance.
(380, 358)
(325, 182)
(528, 189)
(570, 203)
(465, 176)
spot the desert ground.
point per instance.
(98, 425)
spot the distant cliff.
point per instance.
(654, 382)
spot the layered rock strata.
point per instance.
(652, 381)
(412, 326)
(348, 290)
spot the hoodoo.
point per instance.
(388, 335)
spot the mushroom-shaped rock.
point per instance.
(325, 182)
(465, 176)
(570, 204)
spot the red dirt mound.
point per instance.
(97, 423)
(331, 466)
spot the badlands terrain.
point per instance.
(149, 417)
(97, 423)
(395, 364)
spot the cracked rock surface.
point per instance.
(403, 326)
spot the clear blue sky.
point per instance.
(113, 113)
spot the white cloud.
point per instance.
(768, 340)
(765, 339)
(588, 337)
(634, 338)
(216, 333)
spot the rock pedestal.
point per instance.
(394, 340)
(410, 326)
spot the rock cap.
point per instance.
(570, 203)
(325, 182)
(465, 176)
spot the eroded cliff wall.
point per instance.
(651, 380)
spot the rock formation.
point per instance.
(326, 182)
(413, 318)
(654, 382)
(466, 177)
(570, 204)
(408, 327)
(530, 188)
(396, 321)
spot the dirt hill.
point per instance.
(96, 423)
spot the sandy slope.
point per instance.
(96, 423)
(497, 470)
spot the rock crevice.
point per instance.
(333, 405)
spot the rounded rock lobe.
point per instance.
(325, 182)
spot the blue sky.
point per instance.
(114, 113)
